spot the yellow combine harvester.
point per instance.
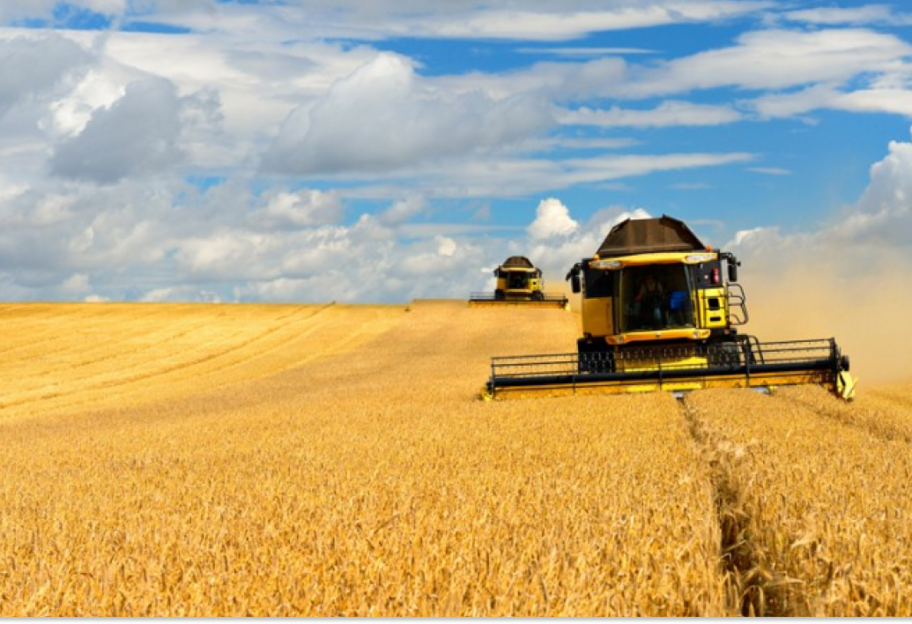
(519, 283)
(658, 314)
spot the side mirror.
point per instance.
(733, 270)
(575, 283)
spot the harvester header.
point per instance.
(660, 311)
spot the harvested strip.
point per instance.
(827, 504)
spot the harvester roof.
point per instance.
(636, 236)
(518, 262)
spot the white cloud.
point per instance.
(138, 134)
(896, 101)
(595, 143)
(548, 24)
(552, 218)
(578, 51)
(556, 256)
(127, 118)
(34, 65)
(777, 171)
(18, 9)
(384, 116)
(622, 166)
(107, 7)
(670, 113)
(876, 226)
(883, 214)
(777, 59)
(446, 246)
(177, 294)
(306, 207)
(403, 210)
(77, 285)
(500, 19)
(847, 278)
(834, 16)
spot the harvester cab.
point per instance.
(660, 311)
(519, 282)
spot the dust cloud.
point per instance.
(866, 311)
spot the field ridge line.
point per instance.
(754, 587)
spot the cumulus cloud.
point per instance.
(384, 116)
(552, 218)
(446, 246)
(303, 208)
(883, 214)
(138, 134)
(34, 65)
(119, 112)
(880, 221)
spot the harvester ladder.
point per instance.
(737, 308)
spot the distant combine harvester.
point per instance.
(519, 283)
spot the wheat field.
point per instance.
(206, 460)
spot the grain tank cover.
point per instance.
(636, 236)
(517, 262)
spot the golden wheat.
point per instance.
(821, 504)
(366, 483)
(56, 356)
(335, 460)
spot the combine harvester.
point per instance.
(658, 314)
(519, 283)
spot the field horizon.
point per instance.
(335, 459)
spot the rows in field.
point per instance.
(821, 494)
(370, 483)
(106, 354)
(882, 410)
(373, 482)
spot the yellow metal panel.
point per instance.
(658, 335)
(597, 316)
(712, 306)
(660, 258)
(628, 366)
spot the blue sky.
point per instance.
(350, 151)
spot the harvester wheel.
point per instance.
(499, 295)
(538, 296)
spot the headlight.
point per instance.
(606, 264)
(698, 258)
